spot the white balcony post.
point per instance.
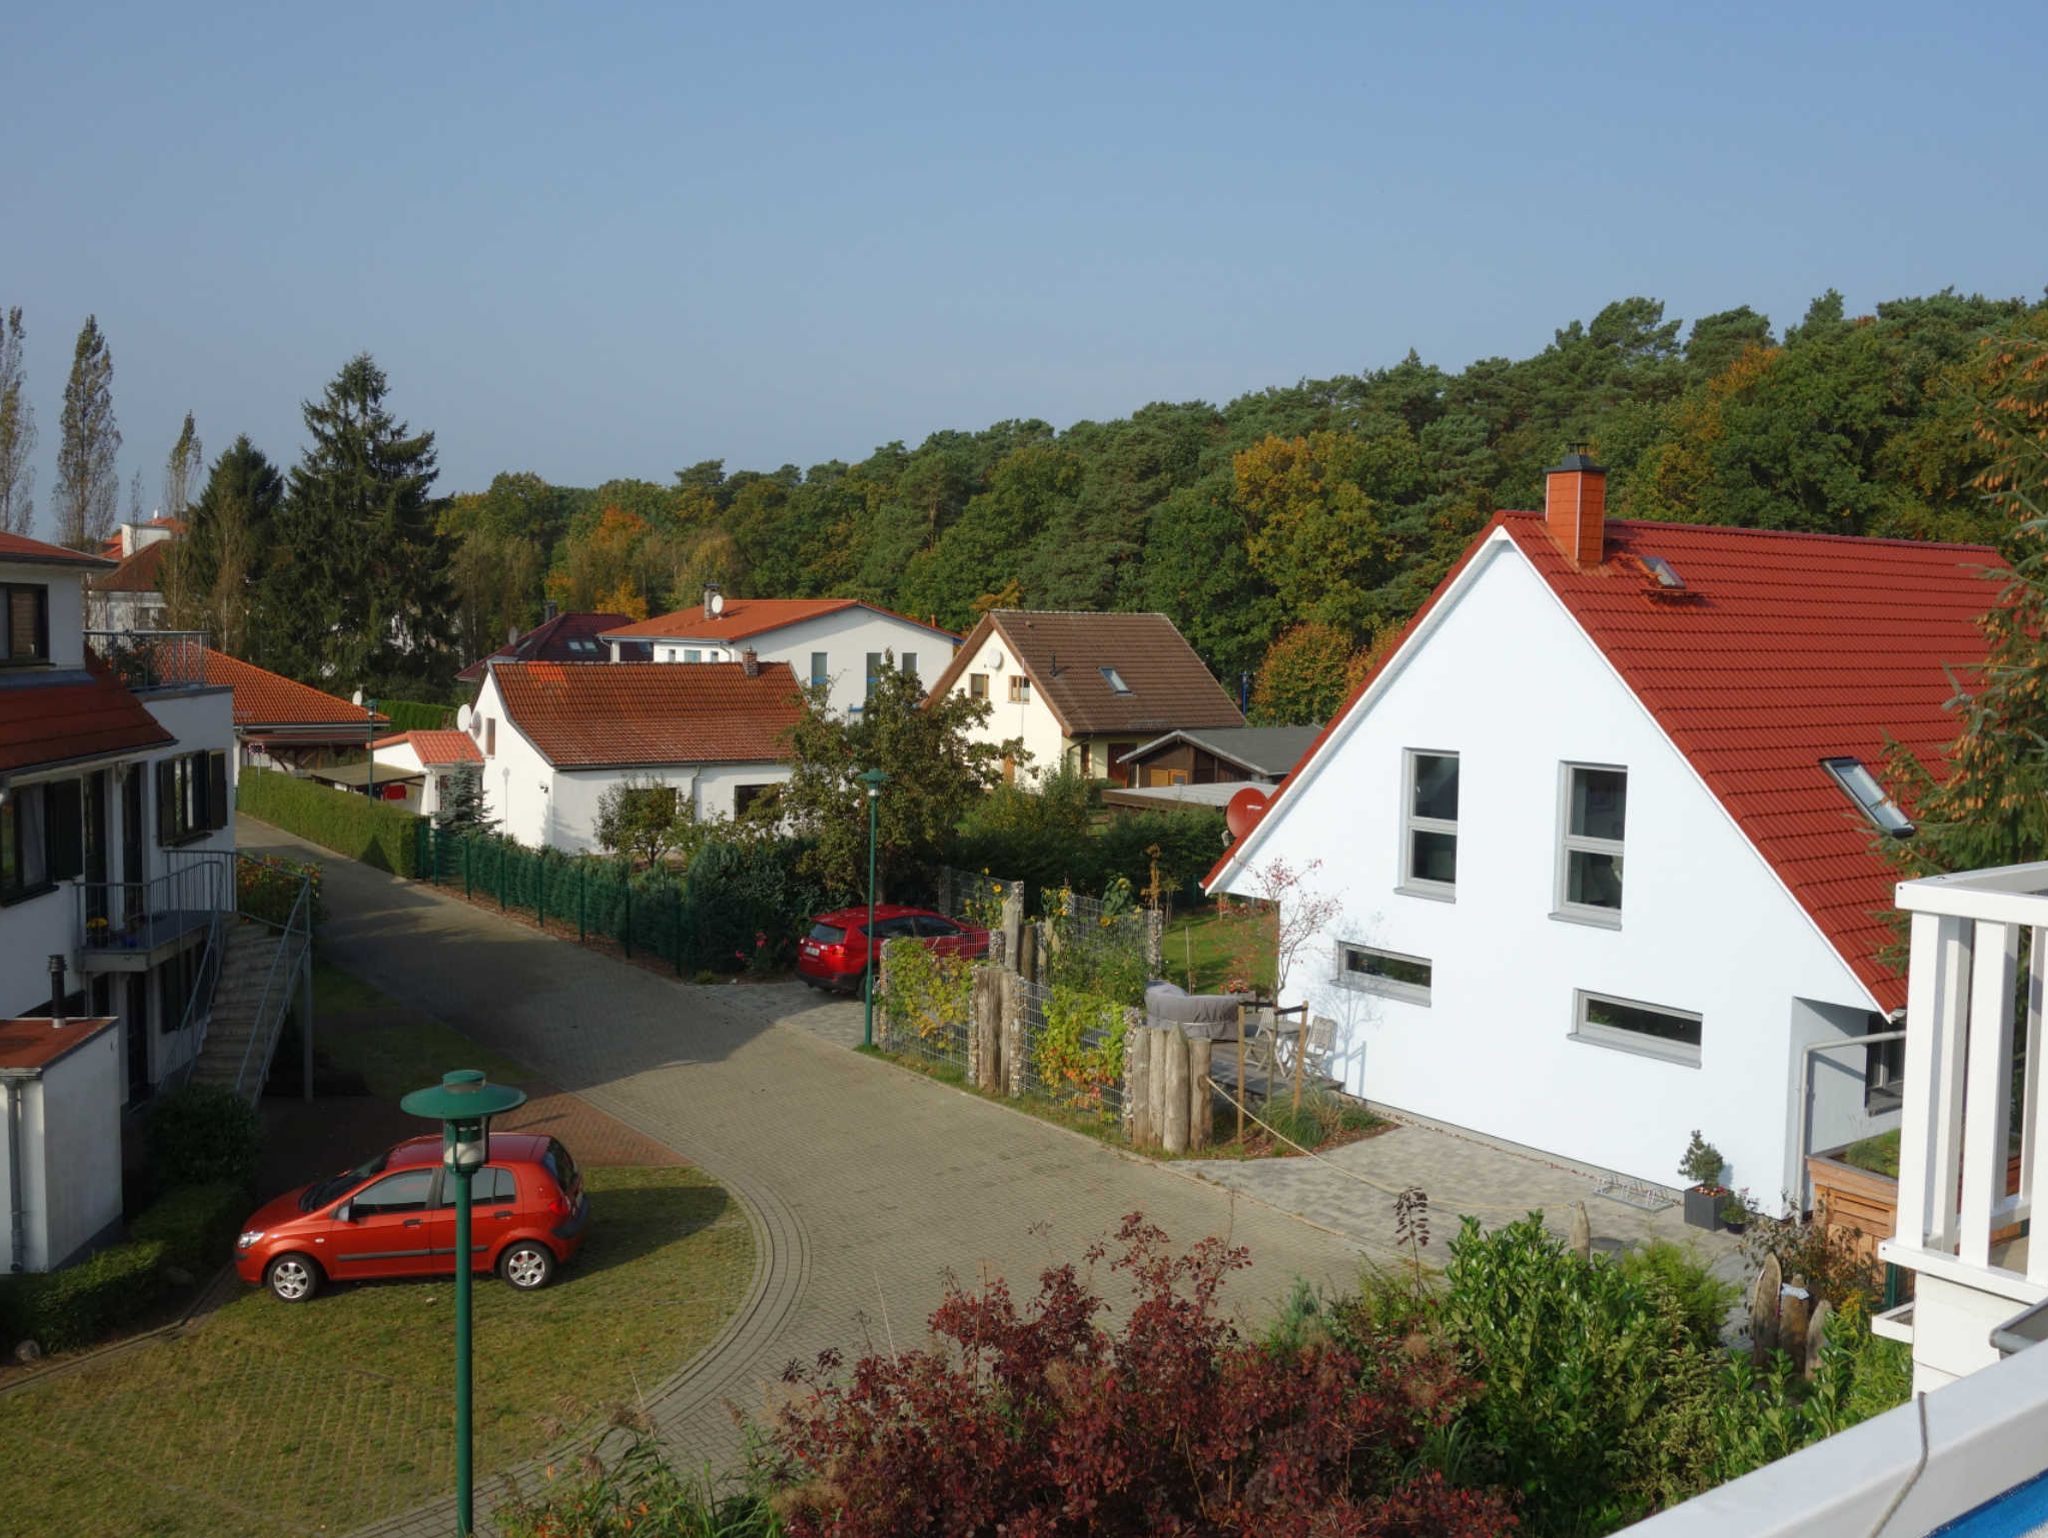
(1988, 1104)
(1937, 994)
(2031, 1126)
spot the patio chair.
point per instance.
(1318, 1040)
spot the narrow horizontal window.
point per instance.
(1390, 973)
(1648, 1028)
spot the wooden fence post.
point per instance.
(1763, 1310)
(1024, 960)
(1201, 1096)
(1138, 1085)
(987, 1068)
(1155, 942)
(1173, 1090)
(1239, 1096)
(1015, 1044)
(1013, 922)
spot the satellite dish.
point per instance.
(462, 717)
(717, 604)
(993, 657)
(1245, 810)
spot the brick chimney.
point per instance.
(1575, 508)
(750, 663)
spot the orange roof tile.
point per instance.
(445, 746)
(29, 1045)
(744, 617)
(267, 699)
(142, 572)
(1781, 649)
(60, 717)
(19, 547)
(584, 715)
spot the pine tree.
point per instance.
(88, 480)
(17, 431)
(462, 803)
(213, 577)
(181, 470)
(362, 579)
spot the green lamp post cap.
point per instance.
(462, 1095)
(871, 777)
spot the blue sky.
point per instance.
(616, 240)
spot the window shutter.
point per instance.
(65, 810)
(217, 807)
(166, 797)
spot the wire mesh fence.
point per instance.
(926, 1003)
(1073, 1048)
(1095, 948)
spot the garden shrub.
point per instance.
(1039, 1420)
(744, 898)
(1071, 1068)
(1826, 1259)
(1703, 1299)
(66, 1309)
(641, 1495)
(377, 833)
(195, 1224)
(203, 1134)
(415, 715)
(1057, 851)
(926, 993)
(266, 886)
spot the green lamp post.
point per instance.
(463, 1103)
(873, 780)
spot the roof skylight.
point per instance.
(1666, 574)
(1115, 680)
(1862, 787)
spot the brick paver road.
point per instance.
(866, 1184)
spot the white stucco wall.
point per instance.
(70, 1142)
(539, 805)
(1503, 677)
(31, 931)
(1031, 720)
(845, 636)
(67, 607)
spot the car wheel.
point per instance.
(527, 1265)
(292, 1278)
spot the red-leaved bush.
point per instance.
(1039, 1422)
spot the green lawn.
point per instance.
(1199, 945)
(273, 1419)
(391, 1047)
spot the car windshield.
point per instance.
(321, 1192)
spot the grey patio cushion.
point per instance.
(1213, 1015)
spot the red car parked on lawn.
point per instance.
(394, 1215)
(835, 952)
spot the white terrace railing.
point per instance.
(1974, 1118)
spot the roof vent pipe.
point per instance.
(57, 989)
(1575, 508)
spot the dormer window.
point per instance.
(25, 636)
(1861, 786)
(1115, 680)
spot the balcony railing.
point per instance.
(152, 659)
(1974, 1093)
(115, 916)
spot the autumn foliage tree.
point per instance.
(1037, 1421)
(1306, 675)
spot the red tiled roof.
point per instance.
(435, 747)
(19, 547)
(58, 718)
(744, 617)
(30, 1045)
(584, 715)
(264, 698)
(554, 640)
(1782, 650)
(111, 546)
(142, 572)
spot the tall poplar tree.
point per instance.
(181, 470)
(361, 575)
(17, 431)
(89, 444)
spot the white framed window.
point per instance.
(820, 676)
(692, 654)
(1592, 818)
(1020, 689)
(1871, 798)
(977, 685)
(1390, 973)
(1632, 1026)
(1429, 830)
(908, 665)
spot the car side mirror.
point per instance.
(345, 1213)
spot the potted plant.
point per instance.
(1704, 1193)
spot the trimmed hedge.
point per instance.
(379, 835)
(63, 1310)
(416, 715)
(196, 1225)
(204, 1133)
(1189, 840)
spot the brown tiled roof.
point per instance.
(264, 698)
(56, 718)
(142, 572)
(19, 547)
(587, 715)
(1065, 654)
(556, 640)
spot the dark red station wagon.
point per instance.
(835, 952)
(394, 1216)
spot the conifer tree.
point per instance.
(88, 479)
(214, 576)
(361, 581)
(17, 431)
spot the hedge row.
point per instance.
(1189, 842)
(383, 836)
(195, 1225)
(415, 715)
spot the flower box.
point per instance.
(1703, 1206)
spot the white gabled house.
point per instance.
(426, 759)
(555, 736)
(1601, 830)
(834, 642)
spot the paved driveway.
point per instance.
(867, 1184)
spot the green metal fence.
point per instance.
(641, 913)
